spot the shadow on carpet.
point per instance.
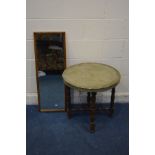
(55, 134)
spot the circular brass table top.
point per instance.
(91, 77)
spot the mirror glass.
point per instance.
(50, 64)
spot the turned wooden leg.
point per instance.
(68, 101)
(112, 101)
(66, 97)
(88, 99)
(92, 109)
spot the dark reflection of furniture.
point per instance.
(91, 78)
(50, 55)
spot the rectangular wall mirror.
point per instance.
(50, 56)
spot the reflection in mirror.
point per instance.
(50, 63)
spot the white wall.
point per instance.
(96, 30)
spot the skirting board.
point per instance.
(31, 98)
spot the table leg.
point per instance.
(88, 99)
(68, 101)
(66, 97)
(112, 101)
(92, 109)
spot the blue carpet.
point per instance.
(55, 134)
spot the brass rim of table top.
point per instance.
(93, 90)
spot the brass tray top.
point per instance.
(91, 77)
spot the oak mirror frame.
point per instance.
(50, 60)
